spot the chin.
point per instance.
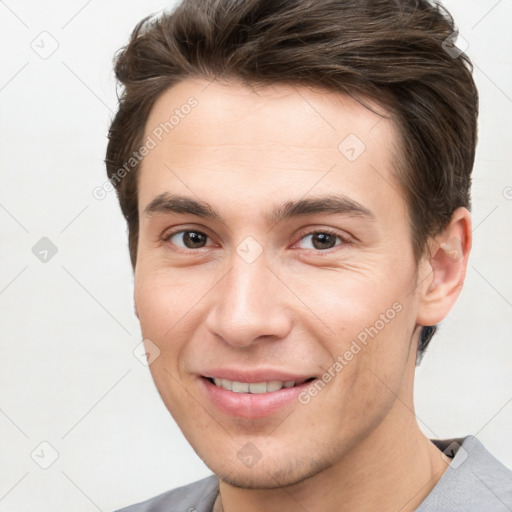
(269, 475)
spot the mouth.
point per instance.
(257, 399)
(270, 386)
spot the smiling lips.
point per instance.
(252, 395)
(253, 387)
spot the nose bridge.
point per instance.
(248, 303)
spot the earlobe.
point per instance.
(446, 269)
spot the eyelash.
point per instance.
(344, 240)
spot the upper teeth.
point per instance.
(253, 387)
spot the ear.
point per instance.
(443, 269)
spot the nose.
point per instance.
(249, 305)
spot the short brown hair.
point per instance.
(398, 53)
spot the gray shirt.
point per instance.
(475, 481)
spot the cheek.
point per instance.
(365, 323)
(166, 297)
(165, 303)
(350, 299)
(154, 305)
(375, 360)
(172, 305)
(160, 308)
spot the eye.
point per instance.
(321, 240)
(187, 239)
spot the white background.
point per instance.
(68, 375)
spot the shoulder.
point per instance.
(195, 497)
(474, 481)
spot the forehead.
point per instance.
(274, 138)
(276, 114)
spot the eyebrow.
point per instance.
(331, 204)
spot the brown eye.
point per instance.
(188, 239)
(321, 240)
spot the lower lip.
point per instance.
(251, 405)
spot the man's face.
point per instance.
(251, 294)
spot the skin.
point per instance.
(356, 445)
